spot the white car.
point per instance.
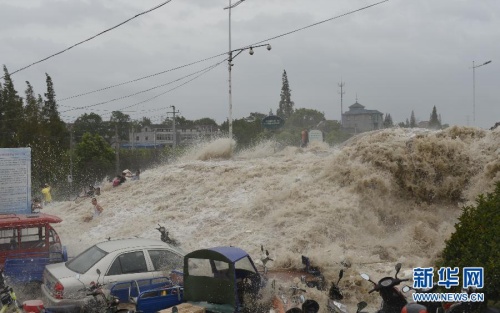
(117, 260)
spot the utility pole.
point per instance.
(474, 89)
(133, 137)
(173, 125)
(117, 149)
(70, 178)
(342, 92)
(230, 64)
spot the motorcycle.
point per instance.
(334, 295)
(165, 238)
(101, 301)
(432, 307)
(466, 307)
(313, 278)
(392, 299)
(9, 300)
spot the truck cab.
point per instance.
(27, 243)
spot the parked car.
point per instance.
(117, 260)
(220, 279)
(27, 243)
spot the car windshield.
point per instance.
(85, 260)
(245, 264)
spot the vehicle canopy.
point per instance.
(12, 220)
(214, 276)
(28, 236)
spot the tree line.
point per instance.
(86, 148)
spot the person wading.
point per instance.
(47, 197)
(304, 138)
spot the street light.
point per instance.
(230, 64)
(474, 89)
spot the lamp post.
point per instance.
(230, 64)
(474, 89)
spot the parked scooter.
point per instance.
(392, 299)
(165, 238)
(335, 295)
(101, 302)
(432, 307)
(466, 307)
(318, 280)
(9, 300)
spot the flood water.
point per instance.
(382, 197)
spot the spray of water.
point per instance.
(381, 198)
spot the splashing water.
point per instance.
(382, 197)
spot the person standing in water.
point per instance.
(97, 208)
(304, 138)
(47, 197)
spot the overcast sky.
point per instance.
(395, 57)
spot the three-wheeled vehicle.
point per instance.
(27, 244)
(220, 279)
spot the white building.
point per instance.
(162, 135)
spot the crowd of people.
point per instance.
(92, 192)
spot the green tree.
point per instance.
(434, 122)
(413, 121)
(333, 132)
(206, 121)
(119, 123)
(30, 128)
(94, 159)
(182, 122)
(257, 116)
(476, 243)
(300, 119)
(53, 141)
(246, 131)
(138, 125)
(285, 109)
(145, 122)
(11, 113)
(388, 123)
(304, 118)
(89, 123)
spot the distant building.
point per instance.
(155, 136)
(359, 120)
(423, 124)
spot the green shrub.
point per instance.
(476, 241)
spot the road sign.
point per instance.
(272, 122)
(315, 135)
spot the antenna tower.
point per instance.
(342, 92)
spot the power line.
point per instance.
(202, 71)
(318, 23)
(138, 79)
(202, 60)
(146, 90)
(201, 74)
(88, 39)
(210, 68)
